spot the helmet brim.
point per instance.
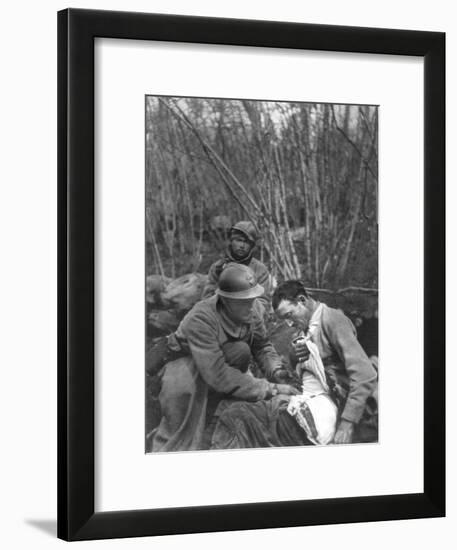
(243, 232)
(248, 294)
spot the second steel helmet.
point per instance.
(247, 229)
(238, 281)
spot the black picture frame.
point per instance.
(76, 224)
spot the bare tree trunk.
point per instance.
(154, 243)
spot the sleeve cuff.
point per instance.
(352, 415)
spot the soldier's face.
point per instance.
(240, 246)
(296, 314)
(239, 311)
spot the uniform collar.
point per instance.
(246, 261)
(232, 329)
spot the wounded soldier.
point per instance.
(218, 339)
(338, 403)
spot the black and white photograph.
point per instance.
(261, 284)
(230, 224)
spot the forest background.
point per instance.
(304, 173)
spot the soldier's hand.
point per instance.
(286, 389)
(344, 432)
(281, 376)
(284, 376)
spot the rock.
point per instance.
(155, 284)
(163, 322)
(184, 292)
(220, 223)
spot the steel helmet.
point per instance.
(237, 281)
(247, 229)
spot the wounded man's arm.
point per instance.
(362, 375)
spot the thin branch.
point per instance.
(346, 290)
(354, 145)
(208, 149)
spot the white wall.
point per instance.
(28, 273)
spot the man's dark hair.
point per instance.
(289, 290)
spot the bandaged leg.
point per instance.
(314, 410)
(244, 425)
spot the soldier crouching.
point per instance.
(220, 337)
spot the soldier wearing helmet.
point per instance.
(243, 239)
(219, 339)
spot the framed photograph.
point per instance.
(251, 274)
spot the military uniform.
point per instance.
(258, 268)
(246, 230)
(211, 340)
